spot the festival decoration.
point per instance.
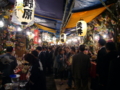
(63, 38)
(24, 11)
(9, 43)
(36, 36)
(81, 28)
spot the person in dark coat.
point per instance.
(37, 78)
(100, 62)
(112, 68)
(80, 69)
(44, 57)
(35, 53)
(41, 57)
(61, 65)
(49, 61)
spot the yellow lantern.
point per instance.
(63, 38)
(81, 28)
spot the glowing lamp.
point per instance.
(63, 38)
(24, 11)
(81, 28)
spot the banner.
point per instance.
(36, 37)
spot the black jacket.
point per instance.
(114, 71)
(80, 66)
(37, 77)
(49, 58)
(100, 60)
(42, 58)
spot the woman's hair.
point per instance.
(30, 58)
(73, 49)
(110, 46)
(60, 50)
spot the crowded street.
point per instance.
(59, 44)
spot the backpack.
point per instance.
(5, 65)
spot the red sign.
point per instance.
(36, 37)
(36, 32)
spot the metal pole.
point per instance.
(64, 24)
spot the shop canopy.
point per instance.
(50, 15)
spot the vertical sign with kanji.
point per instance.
(24, 10)
(81, 28)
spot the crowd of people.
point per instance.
(68, 63)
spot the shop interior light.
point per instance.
(39, 41)
(19, 29)
(1, 23)
(96, 37)
(33, 35)
(69, 40)
(28, 33)
(75, 40)
(54, 38)
(104, 36)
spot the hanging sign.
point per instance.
(36, 37)
(63, 37)
(9, 43)
(24, 10)
(81, 28)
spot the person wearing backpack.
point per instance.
(7, 65)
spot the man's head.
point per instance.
(110, 46)
(101, 42)
(35, 53)
(39, 49)
(49, 49)
(72, 50)
(82, 48)
(9, 49)
(67, 49)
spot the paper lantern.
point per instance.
(81, 28)
(63, 37)
(24, 11)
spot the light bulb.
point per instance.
(39, 41)
(104, 36)
(19, 29)
(1, 23)
(96, 37)
(28, 33)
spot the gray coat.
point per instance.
(9, 63)
(80, 66)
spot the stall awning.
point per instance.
(45, 28)
(85, 15)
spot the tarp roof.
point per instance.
(50, 13)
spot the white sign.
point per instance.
(24, 10)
